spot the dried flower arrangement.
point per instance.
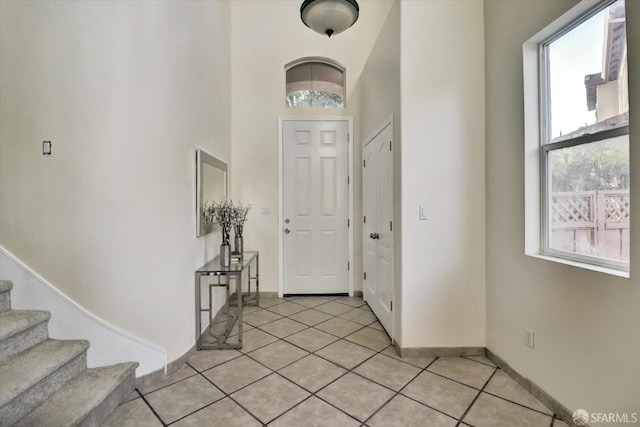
(228, 215)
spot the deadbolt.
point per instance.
(287, 231)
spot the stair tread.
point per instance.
(29, 367)
(76, 399)
(13, 322)
(5, 286)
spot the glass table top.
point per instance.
(214, 267)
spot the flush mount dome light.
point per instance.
(329, 16)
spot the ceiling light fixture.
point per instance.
(329, 16)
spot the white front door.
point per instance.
(315, 206)
(378, 227)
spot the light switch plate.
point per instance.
(46, 148)
(529, 337)
(423, 213)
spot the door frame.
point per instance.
(388, 122)
(281, 120)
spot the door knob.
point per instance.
(287, 231)
(287, 221)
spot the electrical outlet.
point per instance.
(529, 337)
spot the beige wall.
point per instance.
(586, 324)
(380, 98)
(380, 78)
(261, 46)
(442, 128)
(126, 91)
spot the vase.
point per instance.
(225, 255)
(239, 245)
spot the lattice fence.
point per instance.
(591, 223)
(617, 207)
(573, 209)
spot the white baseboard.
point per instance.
(69, 320)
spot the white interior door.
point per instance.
(378, 226)
(315, 206)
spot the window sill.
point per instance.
(598, 268)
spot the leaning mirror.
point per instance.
(211, 184)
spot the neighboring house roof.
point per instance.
(606, 124)
(616, 35)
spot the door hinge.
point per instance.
(348, 137)
(348, 265)
(348, 223)
(364, 163)
(391, 309)
(365, 275)
(365, 219)
(390, 225)
(389, 145)
(348, 180)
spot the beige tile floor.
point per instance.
(326, 361)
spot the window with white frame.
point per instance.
(315, 83)
(583, 136)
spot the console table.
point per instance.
(234, 272)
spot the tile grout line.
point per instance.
(314, 394)
(169, 385)
(277, 371)
(311, 394)
(482, 363)
(152, 409)
(496, 369)
(464, 414)
(201, 373)
(519, 404)
(351, 370)
(419, 402)
(338, 338)
(320, 330)
(248, 354)
(225, 395)
(456, 381)
(347, 370)
(397, 392)
(248, 385)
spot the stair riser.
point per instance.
(87, 400)
(27, 401)
(22, 341)
(53, 398)
(100, 414)
(5, 301)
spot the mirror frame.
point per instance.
(204, 159)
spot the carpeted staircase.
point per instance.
(45, 382)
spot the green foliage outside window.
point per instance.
(602, 165)
(314, 99)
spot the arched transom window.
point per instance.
(315, 84)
